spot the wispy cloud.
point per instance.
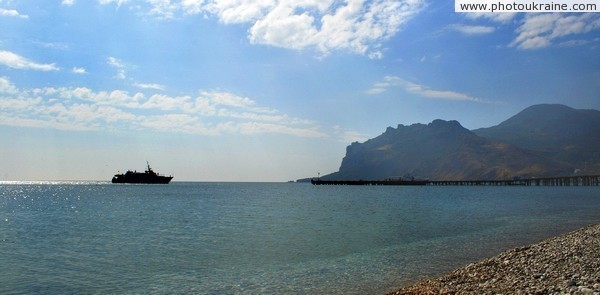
(430, 58)
(208, 113)
(119, 66)
(418, 89)
(154, 86)
(471, 30)
(119, 2)
(67, 2)
(356, 26)
(576, 42)
(13, 13)
(79, 71)
(7, 87)
(16, 61)
(539, 30)
(498, 17)
(51, 45)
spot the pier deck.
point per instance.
(587, 180)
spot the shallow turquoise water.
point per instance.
(221, 238)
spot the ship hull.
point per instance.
(142, 179)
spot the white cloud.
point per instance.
(51, 45)
(377, 89)
(418, 89)
(115, 62)
(78, 70)
(166, 103)
(472, 30)
(15, 61)
(499, 17)
(163, 8)
(68, 2)
(253, 116)
(117, 2)
(539, 30)
(281, 27)
(91, 115)
(177, 123)
(574, 43)
(12, 12)
(260, 127)
(239, 11)
(119, 66)
(192, 6)
(6, 86)
(150, 86)
(81, 108)
(19, 104)
(117, 98)
(356, 26)
(227, 99)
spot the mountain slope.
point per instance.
(558, 132)
(441, 150)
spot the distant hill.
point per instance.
(555, 131)
(531, 144)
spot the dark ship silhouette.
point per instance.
(148, 177)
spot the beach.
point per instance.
(566, 264)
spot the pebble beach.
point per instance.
(566, 264)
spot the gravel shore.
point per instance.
(567, 264)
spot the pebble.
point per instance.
(567, 264)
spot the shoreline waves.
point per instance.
(566, 264)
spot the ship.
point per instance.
(148, 177)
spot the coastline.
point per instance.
(565, 264)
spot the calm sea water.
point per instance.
(221, 238)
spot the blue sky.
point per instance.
(273, 90)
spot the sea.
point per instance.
(264, 238)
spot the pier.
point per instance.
(587, 180)
(369, 182)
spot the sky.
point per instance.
(264, 90)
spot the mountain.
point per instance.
(543, 140)
(555, 131)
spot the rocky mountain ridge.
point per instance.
(540, 141)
